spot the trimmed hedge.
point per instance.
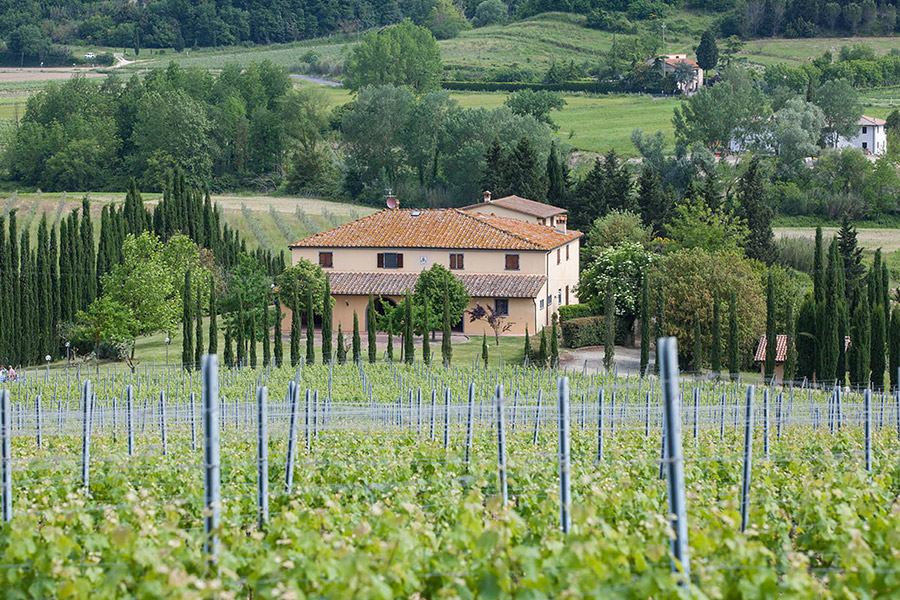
(575, 311)
(583, 331)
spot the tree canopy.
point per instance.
(401, 55)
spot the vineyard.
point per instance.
(418, 481)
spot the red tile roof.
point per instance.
(397, 284)
(674, 61)
(781, 348)
(449, 228)
(523, 205)
(872, 121)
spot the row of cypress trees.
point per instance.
(46, 283)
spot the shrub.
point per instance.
(584, 331)
(576, 311)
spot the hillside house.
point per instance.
(518, 267)
(522, 209)
(671, 62)
(871, 139)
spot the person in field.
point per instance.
(11, 374)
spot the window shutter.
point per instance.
(512, 262)
(399, 261)
(459, 262)
(381, 260)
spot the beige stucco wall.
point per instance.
(419, 259)
(501, 211)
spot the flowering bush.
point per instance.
(624, 265)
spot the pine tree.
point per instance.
(341, 351)
(484, 350)
(771, 329)
(357, 343)
(251, 338)
(645, 325)
(198, 332)
(877, 357)
(408, 340)
(426, 328)
(554, 341)
(267, 350)
(860, 343)
(756, 212)
(894, 347)
(707, 51)
(187, 322)
(526, 360)
(654, 204)
(734, 366)
(295, 330)
(446, 333)
(609, 333)
(790, 359)
(213, 325)
(327, 316)
(310, 331)
(715, 352)
(390, 342)
(371, 330)
(278, 348)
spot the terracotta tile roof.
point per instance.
(781, 348)
(674, 61)
(871, 121)
(522, 205)
(449, 228)
(396, 284)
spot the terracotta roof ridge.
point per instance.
(483, 220)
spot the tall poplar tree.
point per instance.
(187, 323)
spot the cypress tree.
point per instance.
(426, 345)
(341, 351)
(819, 269)
(645, 325)
(89, 261)
(106, 243)
(229, 353)
(609, 331)
(828, 343)
(894, 347)
(806, 339)
(295, 330)
(310, 330)
(446, 334)
(4, 298)
(326, 323)
(13, 287)
(771, 329)
(877, 357)
(187, 322)
(52, 326)
(357, 343)
(26, 301)
(660, 323)
(554, 341)
(198, 333)
(267, 350)
(697, 357)
(278, 350)
(371, 331)
(526, 359)
(542, 349)
(484, 349)
(790, 358)
(241, 338)
(42, 286)
(756, 212)
(556, 179)
(715, 352)
(213, 310)
(860, 343)
(390, 343)
(734, 366)
(886, 295)
(851, 255)
(252, 339)
(408, 340)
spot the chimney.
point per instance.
(487, 195)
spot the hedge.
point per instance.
(575, 311)
(583, 331)
(593, 87)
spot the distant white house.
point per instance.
(871, 139)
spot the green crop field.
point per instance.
(805, 49)
(387, 495)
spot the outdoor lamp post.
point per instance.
(47, 358)
(168, 341)
(67, 357)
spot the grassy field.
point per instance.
(804, 49)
